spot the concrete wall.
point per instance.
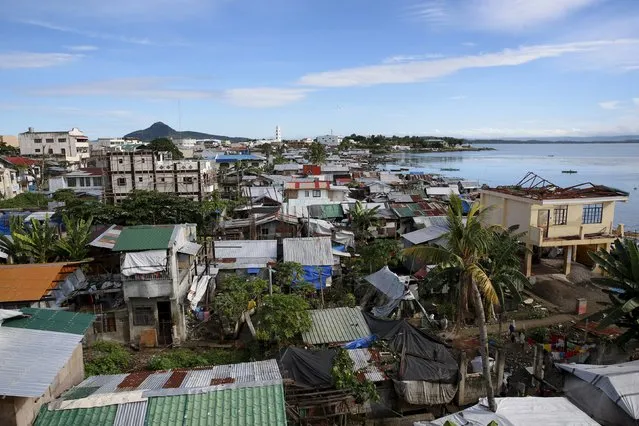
(18, 411)
(59, 142)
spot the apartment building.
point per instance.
(71, 146)
(153, 171)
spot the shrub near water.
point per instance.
(107, 358)
(186, 358)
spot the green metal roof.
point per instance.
(248, 406)
(326, 211)
(97, 416)
(144, 237)
(336, 325)
(52, 320)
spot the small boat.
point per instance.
(449, 169)
(569, 171)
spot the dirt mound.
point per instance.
(563, 293)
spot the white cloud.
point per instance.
(15, 60)
(264, 97)
(635, 101)
(610, 104)
(165, 88)
(82, 48)
(498, 14)
(414, 72)
(90, 34)
(397, 59)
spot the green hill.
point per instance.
(161, 130)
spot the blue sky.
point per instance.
(475, 68)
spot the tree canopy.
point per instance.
(317, 153)
(166, 145)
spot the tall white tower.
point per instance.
(278, 134)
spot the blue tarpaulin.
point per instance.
(364, 342)
(339, 247)
(312, 275)
(466, 205)
(253, 271)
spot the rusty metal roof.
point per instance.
(31, 282)
(535, 187)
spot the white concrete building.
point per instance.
(331, 140)
(9, 185)
(114, 144)
(151, 171)
(88, 181)
(71, 146)
(278, 134)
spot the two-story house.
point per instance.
(300, 195)
(579, 218)
(158, 265)
(88, 181)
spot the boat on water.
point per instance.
(569, 171)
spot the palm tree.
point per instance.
(38, 241)
(317, 153)
(362, 219)
(11, 245)
(621, 268)
(467, 244)
(74, 245)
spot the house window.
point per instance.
(142, 160)
(120, 160)
(49, 140)
(50, 150)
(307, 194)
(140, 179)
(592, 213)
(317, 193)
(71, 181)
(37, 140)
(82, 181)
(162, 179)
(264, 231)
(105, 323)
(188, 179)
(560, 215)
(62, 140)
(97, 181)
(121, 181)
(63, 151)
(37, 150)
(143, 315)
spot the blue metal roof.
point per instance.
(232, 158)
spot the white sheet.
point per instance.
(144, 262)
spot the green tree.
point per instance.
(377, 254)
(285, 273)
(8, 149)
(164, 145)
(317, 153)
(362, 219)
(467, 246)
(155, 208)
(345, 377)
(621, 269)
(233, 298)
(38, 240)
(74, 245)
(10, 245)
(281, 317)
(26, 200)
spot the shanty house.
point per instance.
(579, 218)
(249, 257)
(158, 265)
(315, 254)
(41, 354)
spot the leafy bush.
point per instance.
(282, 317)
(187, 358)
(25, 200)
(107, 358)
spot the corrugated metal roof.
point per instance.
(425, 235)
(52, 320)
(310, 251)
(108, 238)
(30, 282)
(326, 211)
(130, 414)
(234, 254)
(287, 167)
(363, 360)
(246, 406)
(31, 359)
(144, 237)
(336, 325)
(98, 416)
(190, 248)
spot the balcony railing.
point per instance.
(154, 276)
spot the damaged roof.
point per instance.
(31, 282)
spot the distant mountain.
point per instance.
(161, 130)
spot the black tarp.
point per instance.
(425, 358)
(308, 368)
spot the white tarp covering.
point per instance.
(346, 238)
(620, 382)
(320, 227)
(144, 262)
(526, 411)
(198, 288)
(6, 314)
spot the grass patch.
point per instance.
(187, 358)
(107, 358)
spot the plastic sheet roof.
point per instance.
(310, 251)
(108, 238)
(336, 325)
(620, 382)
(233, 254)
(425, 235)
(31, 359)
(526, 411)
(387, 282)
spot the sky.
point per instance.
(470, 68)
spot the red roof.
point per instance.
(318, 184)
(20, 161)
